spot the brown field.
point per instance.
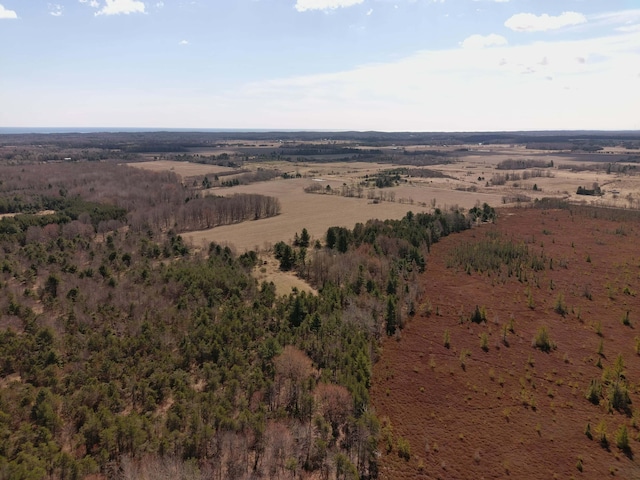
(514, 411)
(318, 212)
(314, 212)
(184, 169)
(470, 172)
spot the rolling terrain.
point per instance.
(282, 305)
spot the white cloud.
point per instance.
(540, 86)
(7, 14)
(521, 87)
(117, 7)
(55, 10)
(183, 42)
(92, 3)
(528, 22)
(627, 17)
(629, 28)
(304, 5)
(482, 41)
(629, 20)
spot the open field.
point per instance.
(514, 410)
(316, 213)
(184, 169)
(470, 170)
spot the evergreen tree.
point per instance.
(304, 238)
(391, 317)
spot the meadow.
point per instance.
(472, 175)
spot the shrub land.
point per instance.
(527, 358)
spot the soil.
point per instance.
(268, 270)
(513, 410)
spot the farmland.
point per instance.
(471, 174)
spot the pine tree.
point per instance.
(304, 238)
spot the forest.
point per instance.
(126, 353)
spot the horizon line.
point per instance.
(60, 130)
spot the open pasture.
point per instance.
(316, 213)
(184, 169)
(472, 177)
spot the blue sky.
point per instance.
(393, 65)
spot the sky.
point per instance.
(386, 65)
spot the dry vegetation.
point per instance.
(505, 350)
(268, 270)
(537, 348)
(468, 175)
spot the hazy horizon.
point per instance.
(81, 130)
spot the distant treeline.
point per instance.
(521, 164)
(66, 210)
(310, 150)
(612, 213)
(178, 141)
(210, 211)
(603, 167)
(222, 160)
(197, 214)
(392, 177)
(426, 173)
(503, 178)
(420, 160)
(248, 177)
(433, 153)
(589, 191)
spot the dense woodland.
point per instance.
(125, 353)
(156, 201)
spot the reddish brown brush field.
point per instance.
(510, 409)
